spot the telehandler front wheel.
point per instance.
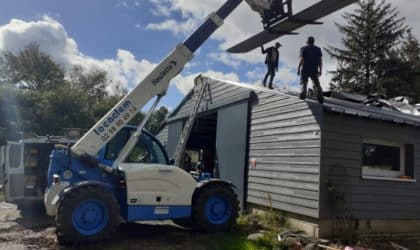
(86, 214)
(215, 208)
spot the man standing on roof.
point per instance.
(310, 66)
(272, 61)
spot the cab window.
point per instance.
(116, 144)
(147, 150)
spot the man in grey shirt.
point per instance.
(310, 66)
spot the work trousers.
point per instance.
(304, 85)
(271, 71)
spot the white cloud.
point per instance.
(225, 58)
(122, 4)
(185, 83)
(173, 26)
(124, 70)
(285, 77)
(162, 8)
(255, 74)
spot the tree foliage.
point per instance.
(370, 36)
(38, 95)
(32, 69)
(402, 70)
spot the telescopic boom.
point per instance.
(156, 83)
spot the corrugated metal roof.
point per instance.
(370, 112)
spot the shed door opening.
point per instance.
(201, 144)
(220, 140)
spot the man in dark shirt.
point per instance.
(272, 61)
(310, 66)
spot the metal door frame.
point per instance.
(18, 171)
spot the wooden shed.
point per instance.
(337, 166)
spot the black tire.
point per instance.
(76, 204)
(202, 203)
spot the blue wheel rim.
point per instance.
(90, 216)
(218, 209)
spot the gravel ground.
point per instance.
(38, 232)
(17, 232)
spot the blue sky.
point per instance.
(128, 37)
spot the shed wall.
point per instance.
(367, 199)
(162, 136)
(285, 142)
(2, 159)
(217, 95)
(174, 133)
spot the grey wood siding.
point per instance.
(367, 199)
(231, 145)
(162, 136)
(285, 141)
(219, 94)
(174, 133)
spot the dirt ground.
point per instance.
(38, 232)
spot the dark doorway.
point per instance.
(202, 143)
(219, 140)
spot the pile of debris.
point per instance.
(298, 241)
(402, 104)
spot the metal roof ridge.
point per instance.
(250, 86)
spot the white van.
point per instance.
(25, 169)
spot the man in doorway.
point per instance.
(310, 66)
(272, 61)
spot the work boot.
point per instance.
(302, 96)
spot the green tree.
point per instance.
(35, 96)
(157, 119)
(31, 69)
(370, 35)
(402, 70)
(92, 84)
(155, 122)
(10, 122)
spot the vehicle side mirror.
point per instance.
(172, 161)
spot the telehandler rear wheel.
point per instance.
(215, 208)
(86, 214)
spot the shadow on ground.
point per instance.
(33, 230)
(166, 235)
